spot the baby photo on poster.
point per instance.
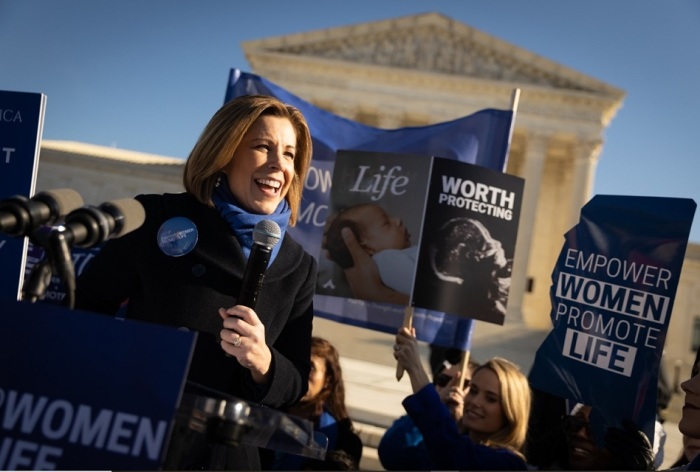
(380, 198)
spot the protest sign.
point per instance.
(21, 126)
(612, 296)
(456, 223)
(86, 391)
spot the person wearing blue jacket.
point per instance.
(402, 446)
(496, 413)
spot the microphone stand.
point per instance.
(62, 261)
(39, 277)
(57, 257)
(38, 281)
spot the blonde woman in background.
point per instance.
(496, 413)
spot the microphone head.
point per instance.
(267, 233)
(61, 201)
(128, 215)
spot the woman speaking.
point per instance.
(184, 267)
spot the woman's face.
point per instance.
(583, 452)
(262, 168)
(689, 424)
(317, 378)
(483, 413)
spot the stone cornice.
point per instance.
(123, 155)
(433, 43)
(439, 96)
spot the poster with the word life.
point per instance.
(612, 296)
(441, 234)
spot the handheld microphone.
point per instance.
(266, 234)
(89, 226)
(19, 215)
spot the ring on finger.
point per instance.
(237, 342)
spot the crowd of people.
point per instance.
(185, 268)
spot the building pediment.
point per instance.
(431, 42)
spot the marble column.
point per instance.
(535, 154)
(586, 153)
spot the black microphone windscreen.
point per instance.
(64, 200)
(267, 233)
(129, 211)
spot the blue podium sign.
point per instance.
(21, 125)
(86, 391)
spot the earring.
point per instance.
(218, 181)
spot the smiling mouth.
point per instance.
(269, 186)
(580, 448)
(580, 452)
(473, 414)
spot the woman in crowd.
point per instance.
(495, 418)
(324, 405)
(560, 437)
(184, 267)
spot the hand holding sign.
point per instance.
(407, 353)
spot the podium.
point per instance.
(208, 422)
(81, 391)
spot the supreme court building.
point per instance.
(420, 70)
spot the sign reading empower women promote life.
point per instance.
(612, 295)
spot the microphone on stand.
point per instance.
(87, 227)
(90, 226)
(266, 235)
(20, 216)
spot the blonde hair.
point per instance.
(224, 132)
(515, 404)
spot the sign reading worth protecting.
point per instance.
(440, 232)
(612, 295)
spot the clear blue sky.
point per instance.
(147, 75)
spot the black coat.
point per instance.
(187, 291)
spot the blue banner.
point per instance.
(612, 296)
(84, 391)
(21, 124)
(481, 139)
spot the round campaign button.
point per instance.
(177, 236)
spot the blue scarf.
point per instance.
(243, 222)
